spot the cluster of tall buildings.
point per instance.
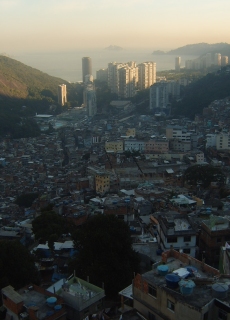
(207, 61)
(125, 79)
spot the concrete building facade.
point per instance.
(146, 75)
(156, 299)
(102, 75)
(223, 141)
(159, 97)
(177, 64)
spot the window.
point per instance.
(171, 239)
(187, 239)
(151, 316)
(187, 251)
(170, 305)
(152, 291)
(222, 315)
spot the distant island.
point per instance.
(113, 48)
(196, 49)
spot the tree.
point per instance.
(48, 226)
(17, 266)
(203, 175)
(26, 199)
(105, 253)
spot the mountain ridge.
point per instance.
(196, 49)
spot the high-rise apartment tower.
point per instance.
(62, 94)
(86, 67)
(177, 64)
(146, 74)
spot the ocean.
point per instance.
(67, 64)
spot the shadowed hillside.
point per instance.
(199, 94)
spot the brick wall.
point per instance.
(188, 260)
(14, 307)
(140, 283)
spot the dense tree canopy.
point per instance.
(105, 253)
(17, 266)
(26, 199)
(48, 226)
(203, 175)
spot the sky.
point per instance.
(51, 25)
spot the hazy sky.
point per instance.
(32, 25)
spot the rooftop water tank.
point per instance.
(57, 307)
(162, 269)
(172, 280)
(220, 290)
(51, 301)
(186, 286)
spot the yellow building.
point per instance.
(102, 182)
(131, 132)
(114, 146)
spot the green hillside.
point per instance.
(199, 94)
(23, 92)
(20, 81)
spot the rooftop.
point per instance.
(202, 275)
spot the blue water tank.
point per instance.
(172, 280)
(51, 301)
(186, 286)
(162, 269)
(57, 307)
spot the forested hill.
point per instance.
(18, 80)
(202, 92)
(23, 92)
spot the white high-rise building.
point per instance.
(159, 97)
(113, 78)
(177, 64)
(62, 94)
(146, 75)
(122, 78)
(127, 81)
(217, 59)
